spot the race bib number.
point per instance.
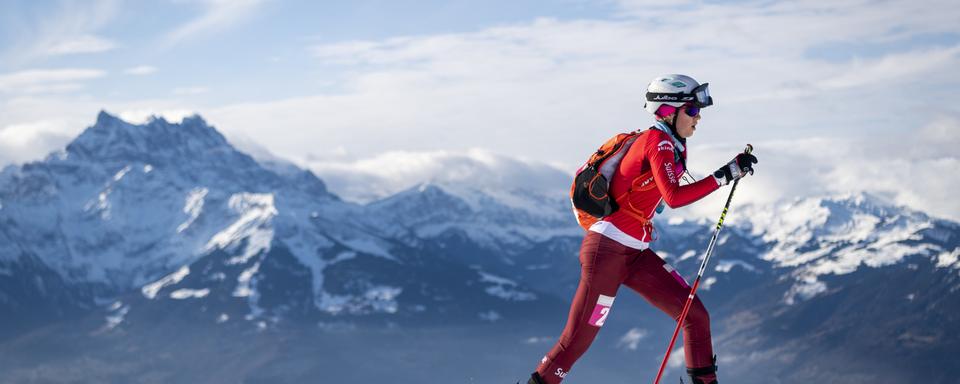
(601, 310)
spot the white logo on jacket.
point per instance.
(668, 167)
(665, 145)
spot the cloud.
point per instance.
(143, 116)
(378, 176)
(47, 80)
(190, 90)
(80, 44)
(631, 340)
(892, 67)
(29, 131)
(18, 140)
(216, 16)
(552, 89)
(910, 168)
(69, 29)
(766, 28)
(141, 70)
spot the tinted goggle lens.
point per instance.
(691, 110)
(702, 94)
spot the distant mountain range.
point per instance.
(135, 228)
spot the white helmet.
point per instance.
(676, 90)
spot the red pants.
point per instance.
(605, 265)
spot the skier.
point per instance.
(616, 249)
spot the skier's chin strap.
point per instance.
(672, 124)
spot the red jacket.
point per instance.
(650, 173)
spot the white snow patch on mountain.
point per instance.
(480, 197)
(247, 287)
(806, 288)
(119, 175)
(150, 290)
(490, 316)
(486, 277)
(375, 299)
(102, 203)
(307, 247)
(343, 256)
(861, 227)
(499, 219)
(727, 265)
(244, 281)
(256, 212)
(181, 294)
(505, 288)
(496, 236)
(709, 282)
(383, 298)
(723, 239)
(837, 235)
(114, 319)
(526, 234)
(193, 206)
(886, 250)
(332, 304)
(949, 259)
(367, 244)
(790, 225)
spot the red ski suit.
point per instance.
(615, 252)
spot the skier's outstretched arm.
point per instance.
(660, 153)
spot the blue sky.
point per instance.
(837, 96)
(248, 50)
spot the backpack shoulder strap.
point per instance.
(612, 146)
(609, 163)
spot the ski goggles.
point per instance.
(699, 96)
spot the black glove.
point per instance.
(739, 167)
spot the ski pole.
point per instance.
(696, 283)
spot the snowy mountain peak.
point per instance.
(113, 139)
(816, 216)
(865, 202)
(837, 235)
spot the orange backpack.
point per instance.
(589, 192)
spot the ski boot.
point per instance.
(535, 379)
(704, 375)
